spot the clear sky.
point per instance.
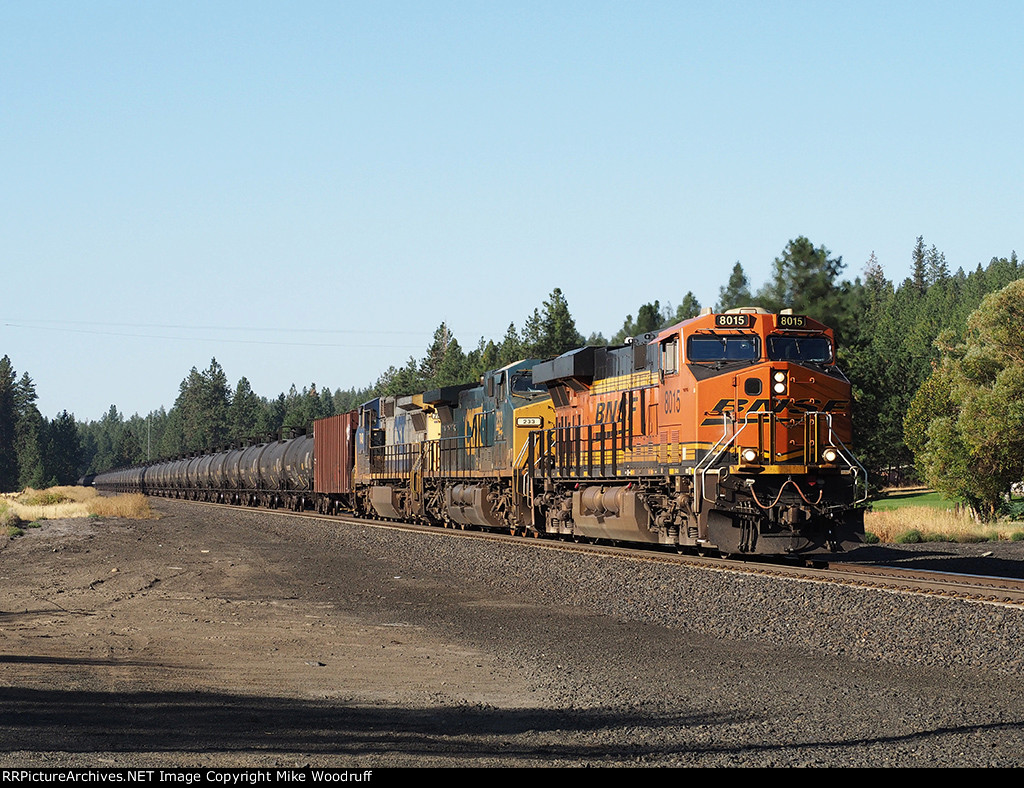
(305, 190)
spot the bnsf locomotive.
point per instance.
(728, 432)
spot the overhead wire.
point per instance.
(63, 326)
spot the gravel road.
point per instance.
(223, 638)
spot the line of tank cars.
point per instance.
(728, 432)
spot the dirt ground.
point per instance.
(188, 629)
(217, 638)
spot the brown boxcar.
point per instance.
(334, 457)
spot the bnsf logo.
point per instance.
(607, 412)
(784, 404)
(792, 407)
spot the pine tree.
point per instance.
(936, 269)
(188, 406)
(690, 307)
(203, 404)
(398, 381)
(445, 363)
(878, 287)
(552, 331)
(29, 430)
(511, 348)
(736, 293)
(244, 413)
(172, 440)
(215, 404)
(274, 414)
(804, 279)
(326, 404)
(8, 417)
(649, 317)
(64, 449)
(920, 267)
(532, 331)
(303, 409)
(31, 445)
(107, 435)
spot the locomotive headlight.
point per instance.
(830, 455)
(779, 388)
(749, 455)
(779, 385)
(780, 377)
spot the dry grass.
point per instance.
(9, 521)
(134, 506)
(928, 524)
(60, 502)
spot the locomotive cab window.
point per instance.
(817, 350)
(522, 385)
(670, 356)
(704, 348)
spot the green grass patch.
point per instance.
(1014, 509)
(898, 499)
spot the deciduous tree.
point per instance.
(973, 447)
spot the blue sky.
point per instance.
(305, 190)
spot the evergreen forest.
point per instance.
(936, 361)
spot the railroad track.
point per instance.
(974, 588)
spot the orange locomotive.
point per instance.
(727, 432)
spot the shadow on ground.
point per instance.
(940, 557)
(82, 722)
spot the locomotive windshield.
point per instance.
(522, 384)
(817, 350)
(723, 348)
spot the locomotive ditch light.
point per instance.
(830, 455)
(749, 455)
